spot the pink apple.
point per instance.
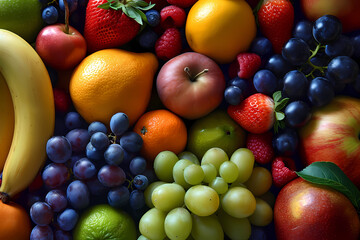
(191, 85)
(307, 211)
(59, 49)
(333, 135)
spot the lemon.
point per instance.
(220, 29)
(104, 222)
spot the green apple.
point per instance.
(22, 17)
(217, 129)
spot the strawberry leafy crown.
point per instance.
(131, 8)
(280, 103)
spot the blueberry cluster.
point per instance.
(90, 164)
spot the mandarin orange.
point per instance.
(161, 130)
(110, 81)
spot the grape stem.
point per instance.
(315, 67)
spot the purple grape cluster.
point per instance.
(90, 164)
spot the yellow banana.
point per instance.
(31, 92)
(6, 121)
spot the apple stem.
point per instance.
(193, 79)
(66, 16)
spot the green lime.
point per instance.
(103, 222)
(22, 17)
(216, 129)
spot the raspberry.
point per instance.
(172, 16)
(62, 100)
(249, 63)
(283, 171)
(168, 44)
(182, 3)
(261, 146)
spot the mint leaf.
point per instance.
(329, 174)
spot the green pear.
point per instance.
(216, 129)
(22, 17)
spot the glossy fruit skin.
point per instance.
(305, 211)
(60, 50)
(332, 135)
(186, 95)
(348, 11)
(220, 29)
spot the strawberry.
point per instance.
(261, 146)
(276, 21)
(112, 23)
(168, 44)
(248, 64)
(283, 171)
(182, 3)
(258, 113)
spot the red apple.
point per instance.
(348, 11)
(332, 135)
(191, 85)
(59, 49)
(307, 211)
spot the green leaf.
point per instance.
(329, 174)
(134, 14)
(281, 104)
(277, 96)
(279, 116)
(105, 5)
(116, 5)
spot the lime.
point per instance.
(21, 17)
(216, 129)
(104, 222)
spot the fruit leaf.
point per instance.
(329, 174)
(280, 103)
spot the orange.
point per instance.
(220, 29)
(15, 222)
(161, 130)
(110, 81)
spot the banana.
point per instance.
(6, 121)
(32, 96)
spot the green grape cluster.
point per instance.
(207, 198)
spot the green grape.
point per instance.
(148, 192)
(263, 214)
(208, 228)
(260, 181)
(209, 171)
(237, 183)
(178, 224)
(163, 165)
(215, 156)
(269, 197)
(238, 202)
(142, 237)
(229, 171)
(194, 174)
(235, 228)
(151, 224)
(178, 172)
(202, 200)
(168, 196)
(244, 160)
(189, 156)
(219, 185)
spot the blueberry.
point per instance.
(50, 15)
(265, 81)
(286, 142)
(326, 29)
(153, 17)
(147, 39)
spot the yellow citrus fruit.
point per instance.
(110, 81)
(220, 29)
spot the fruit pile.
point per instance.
(180, 119)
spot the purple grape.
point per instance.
(111, 175)
(286, 142)
(55, 175)
(327, 28)
(119, 123)
(278, 65)
(73, 120)
(58, 149)
(137, 199)
(41, 213)
(84, 169)
(141, 182)
(56, 200)
(67, 219)
(93, 153)
(96, 188)
(114, 154)
(62, 235)
(100, 140)
(96, 127)
(265, 82)
(78, 194)
(119, 196)
(233, 95)
(78, 138)
(137, 165)
(131, 141)
(297, 113)
(42, 233)
(320, 91)
(296, 51)
(295, 84)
